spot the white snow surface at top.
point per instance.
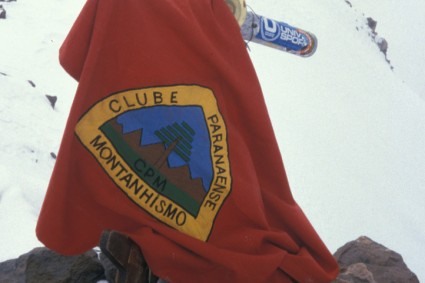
(350, 129)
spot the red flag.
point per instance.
(169, 141)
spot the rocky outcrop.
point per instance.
(361, 261)
(365, 261)
(369, 25)
(42, 265)
(380, 41)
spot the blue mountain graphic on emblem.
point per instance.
(182, 130)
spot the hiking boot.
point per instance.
(126, 256)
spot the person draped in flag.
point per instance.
(169, 151)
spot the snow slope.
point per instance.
(401, 24)
(30, 129)
(351, 130)
(352, 134)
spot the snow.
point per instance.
(30, 129)
(398, 24)
(350, 129)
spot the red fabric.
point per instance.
(257, 232)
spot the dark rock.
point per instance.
(31, 83)
(52, 99)
(365, 261)
(12, 271)
(53, 155)
(372, 24)
(2, 12)
(382, 44)
(44, 265)
(110, 269)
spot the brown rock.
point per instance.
(357, 273)
(365, 261)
